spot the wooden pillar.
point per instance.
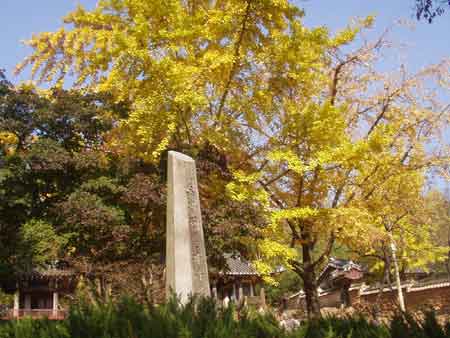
(263, 297)
(55, 304)
(345, 295)
(27, 302)
(16, 304)
(214, 291)
(241, 291)
(233, 296)
(252, 289)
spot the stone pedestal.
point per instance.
(186, 267)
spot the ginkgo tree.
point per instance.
(311, 133)
(405, 234)
(192, 69)
(333, 151)
(437, 211)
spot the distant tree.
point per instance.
(406, 227)
(429, 9)
(40, 244)
(50, 144)
(437, 212)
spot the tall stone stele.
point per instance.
(186, 267)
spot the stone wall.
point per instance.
(331, 299)
(418, 298)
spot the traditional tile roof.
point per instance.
(55, 270)
(429, 285)
(47, 273)
(334, 269)
(343, 264)
(372, 289)
(411, 286)
(337, 267)
(238, 266)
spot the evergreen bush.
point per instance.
(201, 318)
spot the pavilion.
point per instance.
(37, 292)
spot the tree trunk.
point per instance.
(311, 294)
(309, 279)
(147, 283)
(401, 300)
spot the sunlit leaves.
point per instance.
(40, 244)
(8, 142)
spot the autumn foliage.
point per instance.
(326, 149)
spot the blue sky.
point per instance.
(426, 43)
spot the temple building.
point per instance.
(342, 285)
(37, 293)
(336, 281)
(238, 280)
(340, 274)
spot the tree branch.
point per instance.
(235, 60)
(276, 178)
(327, 251)
(295, 234)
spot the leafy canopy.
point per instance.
(195, 71)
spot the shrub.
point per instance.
(201, 318)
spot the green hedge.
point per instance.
(201, 319)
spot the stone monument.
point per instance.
(186, 267)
